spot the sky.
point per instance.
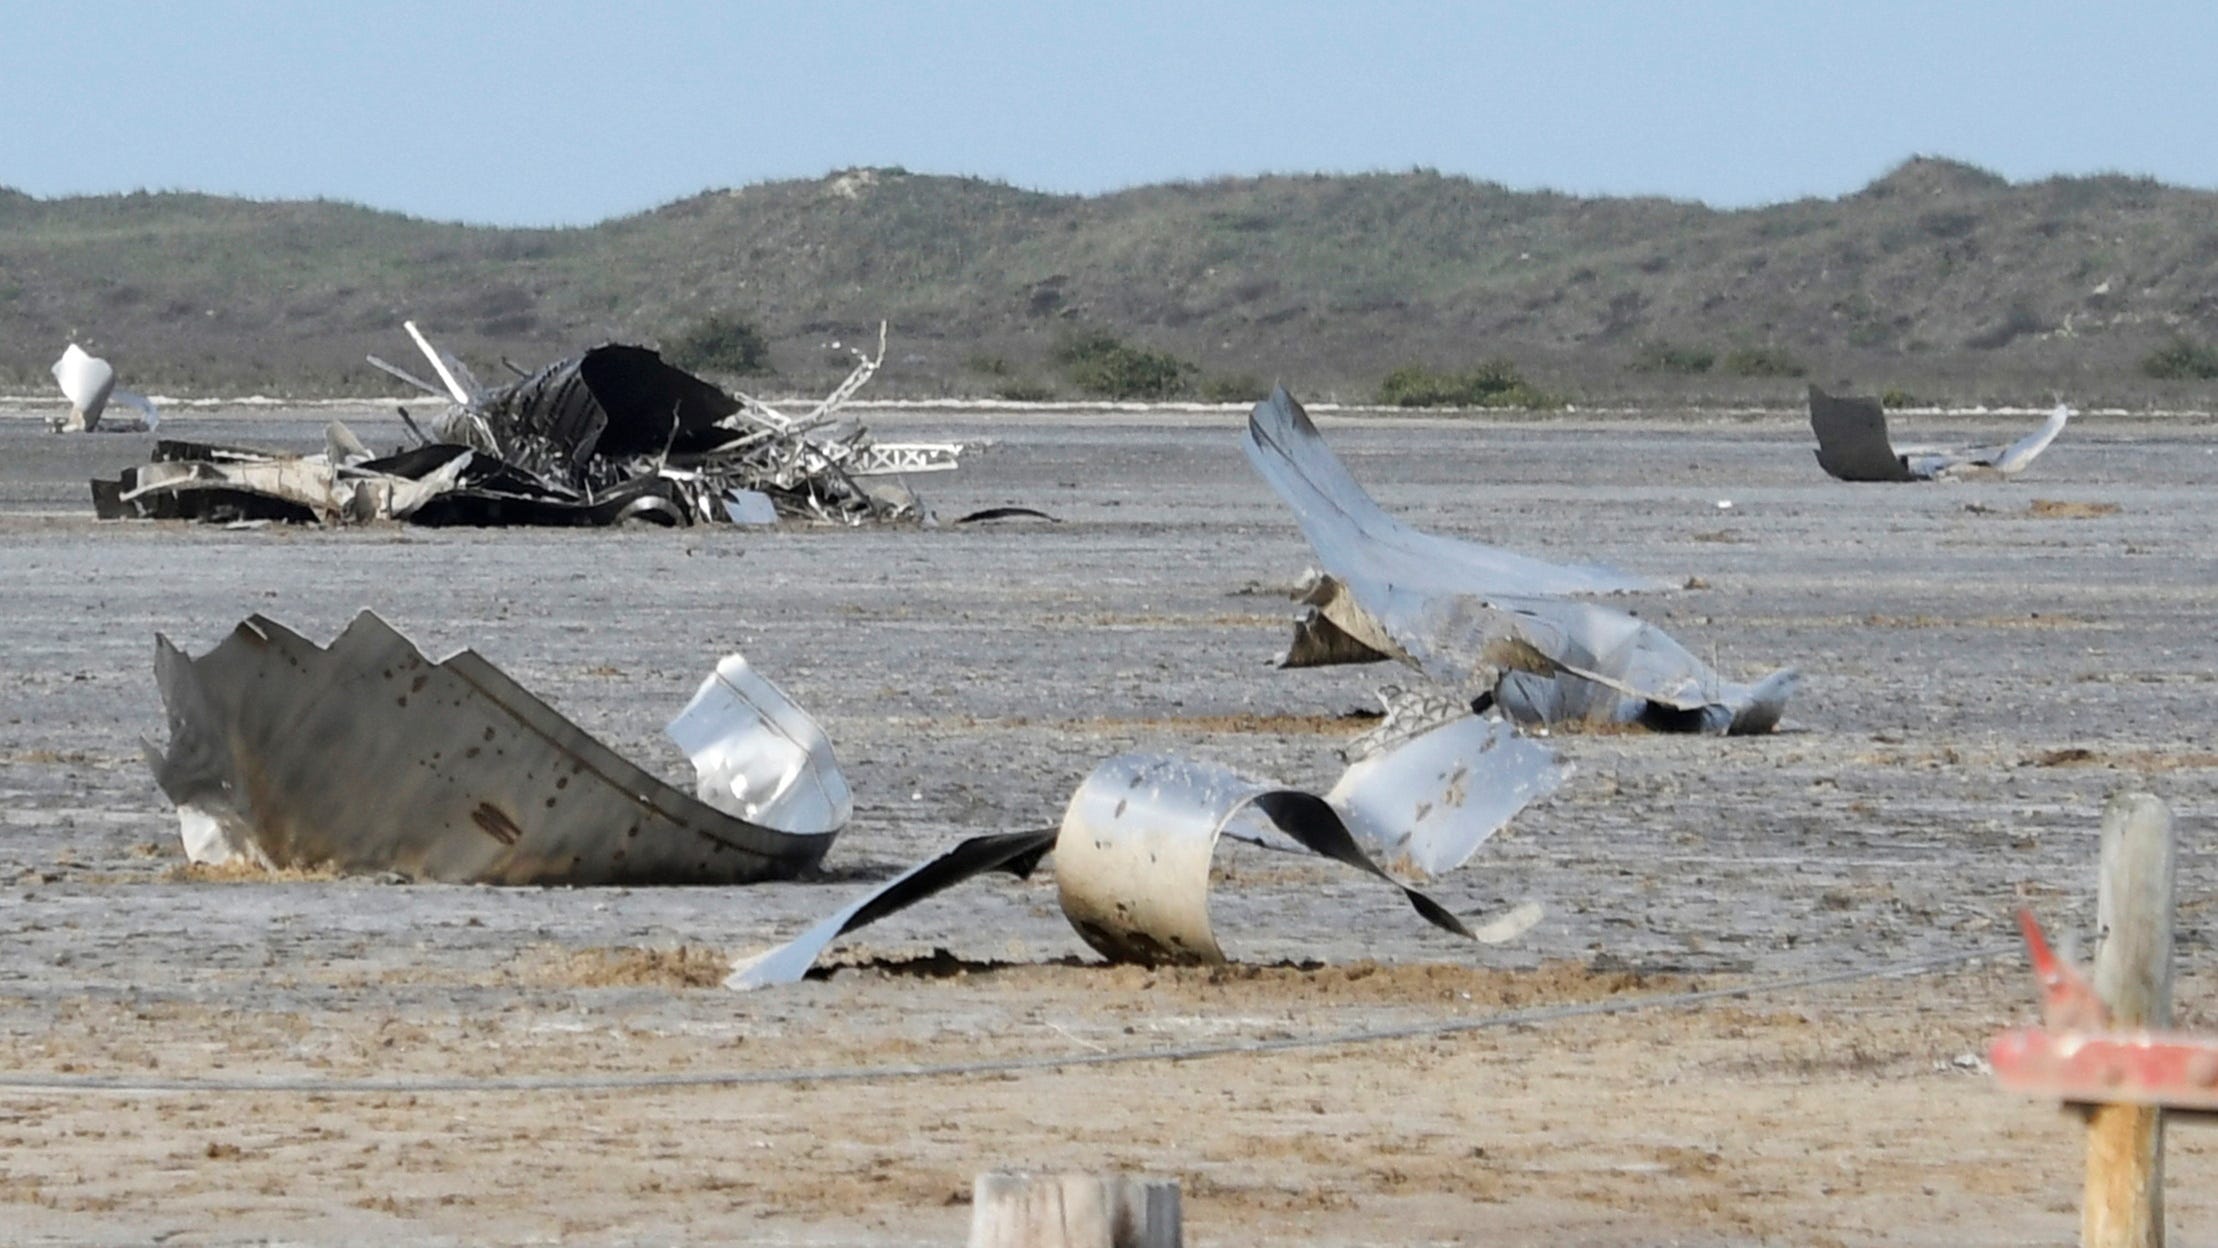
(561, 112)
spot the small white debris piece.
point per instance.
(89, 383)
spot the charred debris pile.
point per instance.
(615, 435)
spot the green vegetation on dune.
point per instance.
(1496, 383)
(1938, 277)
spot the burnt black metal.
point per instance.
(571, 422)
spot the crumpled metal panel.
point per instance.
(1545, 660)
(1132, 862)
(314, 485)
(759, 756)
(1336, 629)
(612, 403)
(437, 484)
(1134, 852)
(1466, 615)
(1425, 806)
(1853, 445)
(368, 757)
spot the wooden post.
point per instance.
(2123, 1205)
(1074, 1211)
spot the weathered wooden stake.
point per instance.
(2123, 1205)
(1074, 1211)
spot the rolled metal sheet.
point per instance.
(1132, 863)
(368, 757)
(1133, 855)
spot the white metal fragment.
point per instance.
(89, 383)
(1474, 617)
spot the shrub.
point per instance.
(1026, 392)
(1244, 388)
(2182, 359)
(1098, 363)
(721, 344)
(1761, 362)
(1495, 383)
(1666, 357)
(990, 365)
(1899, 398)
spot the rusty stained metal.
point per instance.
(1135, 847)
(1477, 618)
(1853, 446)
(368, 757)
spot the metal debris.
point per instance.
(1481, 620)
(1015, 852)
(229, 484)
(619, 413)
(987, 515)
(614, 436)
(89, 383)
(1423, 804)
(366, 757)
(1853, 446)
(1133, 854)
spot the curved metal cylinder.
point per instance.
(1132, 861)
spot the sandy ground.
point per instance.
(1981, 673)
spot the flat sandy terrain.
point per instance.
(1981, 672)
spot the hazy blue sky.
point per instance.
(564, 112)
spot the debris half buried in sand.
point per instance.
(1483, 620)
(614, 436)
(366, 757)
(89, 383)
(1133, 854)
(1853, 446)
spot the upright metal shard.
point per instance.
(1852, 439)
(1853, 445)
(1472, 617)
(1346, 526)
(367, 757)
(89, 383)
